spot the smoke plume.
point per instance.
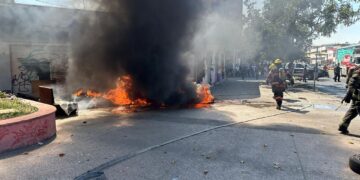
(141, 38)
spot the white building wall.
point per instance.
(33, 62)
(5, 72)
(34, 35)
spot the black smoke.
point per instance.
(141, 38)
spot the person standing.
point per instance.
(291, 68)
(290, 78)
(277, 79)
(242, 70)
(266, 70)
(326, 70)
(261, 69)
(248, 71)
(337, 71)
(353, 96)
(257, 71)
(304, 73)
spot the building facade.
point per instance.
(34, 44)
(323, 54)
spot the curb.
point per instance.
(28, 129)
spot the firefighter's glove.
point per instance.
(346, 99)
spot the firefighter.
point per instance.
(275, 64)
(277, 79)
(353, 94)
(350, 74)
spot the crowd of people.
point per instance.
(248, 70)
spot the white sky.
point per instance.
(78, 4)
(344, 34)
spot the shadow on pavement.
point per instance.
(325, 86)
(25, 150)
(236, 89)
(284, 128)
(298, 89)
(353, 135)
(186, 116)
(291, 100)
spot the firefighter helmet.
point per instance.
(278, 61)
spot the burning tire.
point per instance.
(354, 163)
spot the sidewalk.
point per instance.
(300, 142)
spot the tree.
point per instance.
(288, 27)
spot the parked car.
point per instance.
(298, 71)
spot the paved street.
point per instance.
(300, 142)
(328, 86)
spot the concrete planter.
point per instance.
(29, 129)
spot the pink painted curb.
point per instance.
(29, 129)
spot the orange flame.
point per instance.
(205, 95)
(120, 96)
(79, 92)
(91, 93)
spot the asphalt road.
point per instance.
(327, 85)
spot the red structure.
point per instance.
(29, 129)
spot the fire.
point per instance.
(120, 96)
(205, 95)
(79, 92)
(91, 93)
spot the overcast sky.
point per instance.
(344, 34)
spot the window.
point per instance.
(299, 66)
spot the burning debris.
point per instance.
(120, 96)
(204, 94)
(142, 42)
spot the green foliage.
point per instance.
(288, 27)
(16, 108)
(2, 95)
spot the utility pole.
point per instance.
(316, 67)
(224, 65)
(241, 11)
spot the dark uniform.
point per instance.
(350, 74)
(277, 79)
(337, 70)
(353, 94)
(305, 73)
